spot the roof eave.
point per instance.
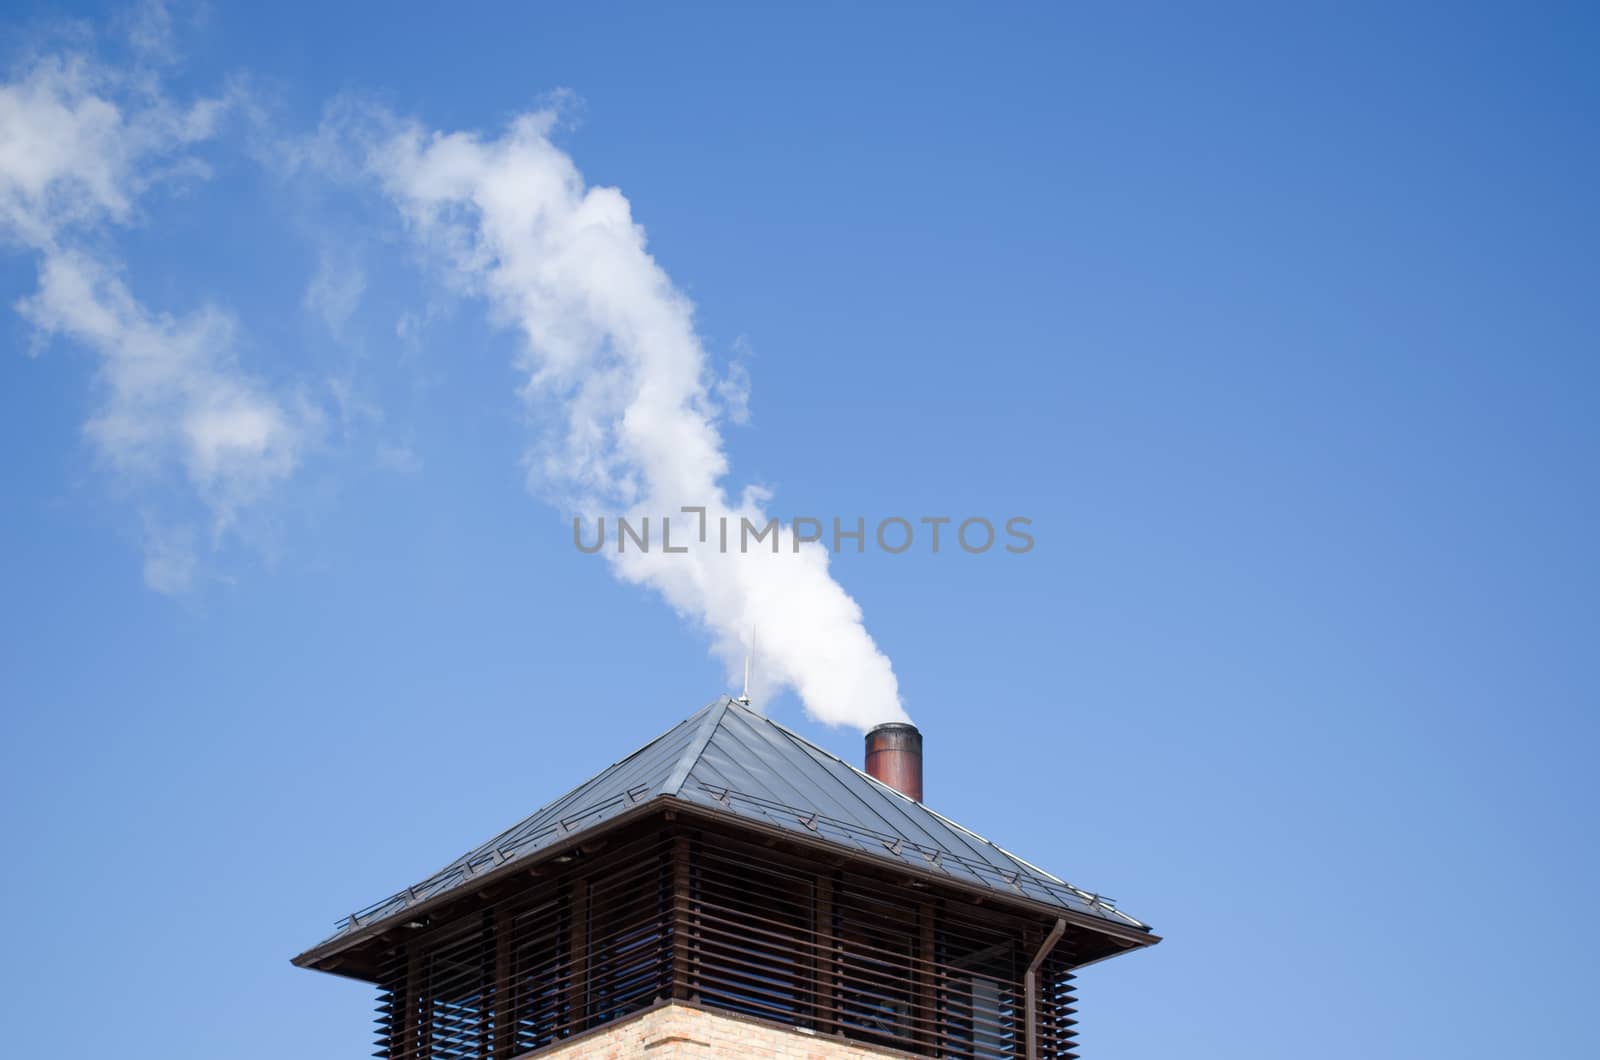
(317, 957)
(338, 944)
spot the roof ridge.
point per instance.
(566, 796)
(715, 711)
(857, 770)
(963, 829)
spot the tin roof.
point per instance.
(727, 757)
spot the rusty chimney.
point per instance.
(894, 756)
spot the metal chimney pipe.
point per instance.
(894, 756)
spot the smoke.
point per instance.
(612, 359)
(80, 143)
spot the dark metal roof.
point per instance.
(729, 758)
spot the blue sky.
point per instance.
(1279, 325)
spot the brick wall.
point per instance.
(680, 1032)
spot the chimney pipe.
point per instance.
(894, 756)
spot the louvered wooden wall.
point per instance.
(710, 918)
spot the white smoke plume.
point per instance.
(611, 344)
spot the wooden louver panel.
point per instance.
(727, 924)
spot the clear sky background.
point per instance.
(1279, 321)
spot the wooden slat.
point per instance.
(578, 950)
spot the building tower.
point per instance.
(731, 888)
